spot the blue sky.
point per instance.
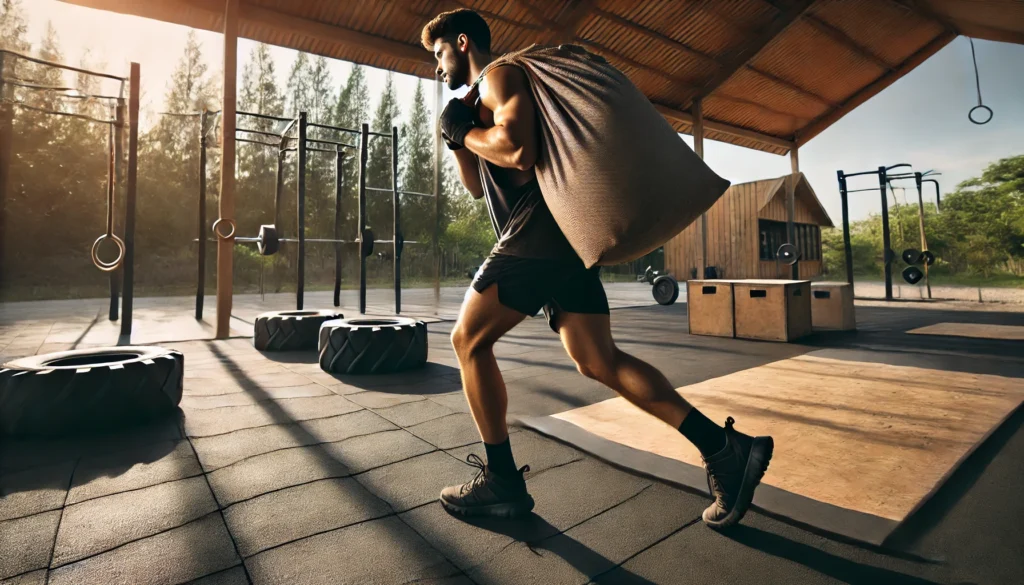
(921, 119)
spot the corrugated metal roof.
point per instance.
(784, 69)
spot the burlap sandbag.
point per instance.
(618, 179)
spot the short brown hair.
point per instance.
(449, 25)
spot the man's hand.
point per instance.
(457, 119)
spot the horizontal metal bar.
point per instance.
(247, 240)
(261, 132)
(255, 142)
(308, 149)
(334, 142)
(417, 194)
(337, 128)
(61, 66)
(898, 166)
(265, 116)
(68, 114)
(380, 190)
(848, 175)
(859, 190)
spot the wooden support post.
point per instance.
(794, 164)
(438, 96)
(117, 276)
(128, 264)
(226, 247)
(6, 131)
(698, 147)
(201, 254)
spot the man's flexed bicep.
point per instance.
(512, 141)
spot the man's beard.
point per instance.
(458, 75)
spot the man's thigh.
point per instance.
(505, 290)
(581, 293)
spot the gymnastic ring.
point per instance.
(107, 266)
(230, 234)
(970, 115)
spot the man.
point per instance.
(493, 134)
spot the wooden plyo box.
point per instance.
(709, 308)
(774, 310)
(832, 306)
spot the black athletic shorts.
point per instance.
(528, 285)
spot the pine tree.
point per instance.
(257, 164)
(321, 94)
(350, 112)
(297, 91)
(417, 169)
(378, 164)
(12, 27)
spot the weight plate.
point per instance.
(911, 256)
(788, 254)
(912, 274)
(929, 258)
(366, 243)
(666, 290)
(268, 242)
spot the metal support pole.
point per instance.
(794, 163)
(883, 186)
(300, 181)
(339, 182)
(847, 248)
(118, 178)
(364, 138)
(438, 96)
(226, 247)
(129, 209)
(396, 234)
(920, 220)
(279, 193)
(6, 132)
(201, 268)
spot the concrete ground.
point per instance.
(276, 472)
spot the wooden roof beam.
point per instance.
(750, 50)
(566, 31)
(250, 15)
(723, 128)
(840, 37)
(887, 79)
(791, 86)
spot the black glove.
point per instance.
(456, 121)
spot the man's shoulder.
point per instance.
(504, 81)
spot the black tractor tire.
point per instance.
(665, 290)
(290, 330)
(373, 345)
(89, 390)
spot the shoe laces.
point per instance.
(715, 487)
(474, 460)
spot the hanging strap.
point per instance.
(977, 82)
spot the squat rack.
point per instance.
(115, 140)
(884, 181)
(301, 147)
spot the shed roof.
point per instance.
(769, 189)
(770, 74)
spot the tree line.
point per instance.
(55, 200)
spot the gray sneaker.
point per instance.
(733, 474)
(488, 494)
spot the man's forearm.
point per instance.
(498, 146)
(469, 172)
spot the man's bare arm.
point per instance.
(469, 172)
(512, 141)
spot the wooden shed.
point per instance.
(745, 229)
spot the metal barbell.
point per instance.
(268, 242)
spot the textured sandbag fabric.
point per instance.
(290, 330)
(618, 179)
(89, 389)
(372, 345)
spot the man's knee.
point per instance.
(468, 342)
(600, 366)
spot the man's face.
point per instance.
(452, 61)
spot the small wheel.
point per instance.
(911, 256)
(666, 290)
(788, 254)
(912, 274)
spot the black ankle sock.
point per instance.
(499, 458)
(708, 437)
